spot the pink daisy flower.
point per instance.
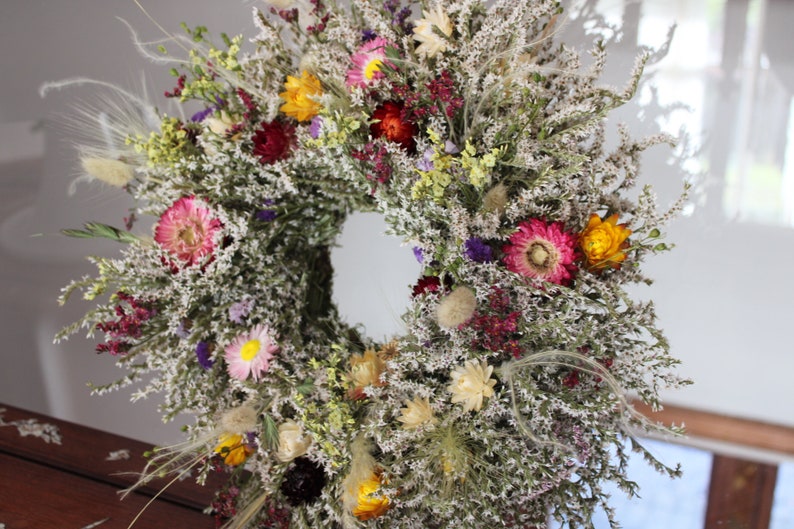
(541, 251)
(187, 229)
(250, 353)
(367, 62)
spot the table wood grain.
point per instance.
(71, 485)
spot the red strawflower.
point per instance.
(391, 125)
(274, 141)
(426, 284)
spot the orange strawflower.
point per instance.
(603, 242)
(301, 97)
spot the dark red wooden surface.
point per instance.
(741, 494)
(74, 484)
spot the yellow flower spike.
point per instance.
(603, 242)
(301, 97)
(233, 450)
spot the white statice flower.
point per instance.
(292, 442)
(471, 383)
(456, 308)
(431, 43)
(416, 413)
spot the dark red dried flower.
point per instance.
(274, 141)
(426, 284)
(392, 125)
(303, 482)
(225, 505)
(442, 90)
(377, 157)
(498, 331)
(132, 314)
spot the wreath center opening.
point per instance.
(373, 273)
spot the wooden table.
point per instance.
(59, 475)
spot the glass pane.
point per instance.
(726, 290)
(783, 507)
(664, 502)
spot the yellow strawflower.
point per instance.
(233, 450)
(603, 242)
(301, 97)
(370, 504)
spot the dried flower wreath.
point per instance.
(483, 143)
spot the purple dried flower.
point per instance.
(418, 254)
(183, 331)
(203, 353)
(316, 127)
(240, 310)
(426, 163)
(476, 250)
(201, 115)
(267, 215)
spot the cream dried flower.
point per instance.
(365, 370)
(496, 199)
(416, 413)
(239, 420)
(456, 308)
(280, 4)
(113, 172)
(220, 124)
(471, 383)
(292, 442)
(431, 43)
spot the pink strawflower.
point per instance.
(541, 251)
(367, 62)
(187, 230)
(250, 353)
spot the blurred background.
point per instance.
(725, 295)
